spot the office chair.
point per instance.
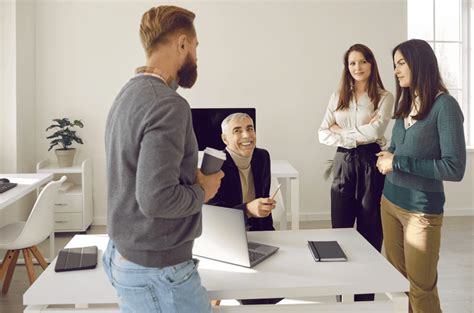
(24, 236)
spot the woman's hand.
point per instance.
(374, 119)
(385, 162)
(336, 129)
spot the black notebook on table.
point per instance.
(74, 259)
(327, 251)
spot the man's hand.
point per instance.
(335, 129)
(209, 183)
(385, 162)
(261, 207)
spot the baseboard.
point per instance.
(313, 216)
(458, 212)
(100, 220)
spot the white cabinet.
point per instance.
(73, 208)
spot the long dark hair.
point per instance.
(426, 80)
(347, 81)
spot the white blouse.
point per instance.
(415, 107)
(409, 121)
(356, 121)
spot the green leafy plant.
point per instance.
(64, 135)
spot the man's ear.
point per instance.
(182, 42)
(224, 139)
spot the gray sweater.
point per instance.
(154, 203)
(431, 151)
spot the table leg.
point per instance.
(284, 191)
(295, 203)
(52, 248)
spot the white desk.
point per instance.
(291, 272)
(26, 184)
(288, 177)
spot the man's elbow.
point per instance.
(148, 209)
(152, 206)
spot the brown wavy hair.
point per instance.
(347, 81)
(426, 80)
(161, 21)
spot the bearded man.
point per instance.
(155, 191)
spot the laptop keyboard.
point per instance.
(7, 186)
(253, 245)
(254, 256)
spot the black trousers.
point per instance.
(355, 195)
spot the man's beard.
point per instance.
(187, 74)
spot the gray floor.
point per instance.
(456, 267)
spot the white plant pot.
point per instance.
(65, 156)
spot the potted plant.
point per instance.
(64, 136)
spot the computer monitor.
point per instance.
(207, 124)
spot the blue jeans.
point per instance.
(143, 289)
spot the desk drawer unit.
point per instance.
(68, 203)
(73, 207)
(67, 221)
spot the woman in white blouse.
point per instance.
(355, 122)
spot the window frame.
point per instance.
(466, 7)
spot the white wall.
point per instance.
(17, 86)
(2, 74)
(8, 86)
(460, 196)
(284, 58)
(26, 85)
(17, 96)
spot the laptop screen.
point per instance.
(224, 238)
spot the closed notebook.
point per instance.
(326, 251)
(76, 259)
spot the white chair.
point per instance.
(25, 236)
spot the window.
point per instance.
(444, 24)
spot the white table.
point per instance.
(291, 272)
(288, 177)
(26, 184)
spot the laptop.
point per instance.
(224, 238)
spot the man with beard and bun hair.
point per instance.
(155, 191)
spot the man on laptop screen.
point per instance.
(246, 184)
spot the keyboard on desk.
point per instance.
(6, 186)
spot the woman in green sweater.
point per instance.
(427, 147)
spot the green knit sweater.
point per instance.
(430, 151)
